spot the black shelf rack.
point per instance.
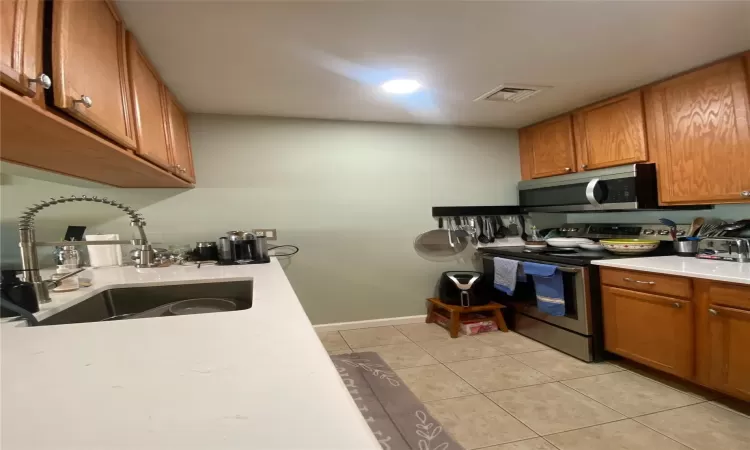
(458, 211)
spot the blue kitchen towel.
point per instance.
(506, 274)
(548, 282)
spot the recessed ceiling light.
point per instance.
(401, 86)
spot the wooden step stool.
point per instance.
(455, 311)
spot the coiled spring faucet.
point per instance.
(144, 253)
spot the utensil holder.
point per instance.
(686, 248)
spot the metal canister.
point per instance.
(260, 249)
(206, 251)
(224, 249)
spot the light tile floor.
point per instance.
(502, 391)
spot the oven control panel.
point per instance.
(657, 232)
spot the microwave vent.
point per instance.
(510, 93)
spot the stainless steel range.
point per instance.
(579, 332)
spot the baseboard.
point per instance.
(369, 323)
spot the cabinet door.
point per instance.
(20, 46)
(149, 109)
(552, 151)
(611, 133)
(630, 330)
(699, 135)
(182, 154)
(89, 63)
(525, 147)
(729, 362)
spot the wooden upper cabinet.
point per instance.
(21, 47)
(699, 135)
(629, 330)
(149, 108)
(182, 153)
(611, 133)
(89, 63)
(525, 146)
(547, 148)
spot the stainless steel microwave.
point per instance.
(621, 188)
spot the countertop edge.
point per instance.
(737, 273)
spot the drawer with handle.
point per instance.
(654, 283)
(731, 295)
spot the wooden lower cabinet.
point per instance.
(704, 338)
(655, 330)
(723, 336)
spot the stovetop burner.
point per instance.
(552, 251)
(580, 257)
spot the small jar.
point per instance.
(68, 284)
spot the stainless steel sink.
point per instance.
(149, 301)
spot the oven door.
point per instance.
(577, 297)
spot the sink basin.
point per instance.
(149, 301)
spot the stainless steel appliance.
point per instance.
(224, 249)
(246, 248)
(725, 249)
(580, 331)
(206, 251)
(260, 249)
(612, 189)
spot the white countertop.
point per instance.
(731, 272)
(252, 379)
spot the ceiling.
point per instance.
(326, 59)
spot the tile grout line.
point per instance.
(659, 432)
(607, 423)
(670, 387)
(387, 326)
(642, 415)
(613, 409)
(550, 443)
(542, 435)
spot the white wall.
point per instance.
(353, 196)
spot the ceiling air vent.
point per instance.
(510, 93)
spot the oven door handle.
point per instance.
(590, 196)
(566, 269)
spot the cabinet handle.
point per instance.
(43, 80)
(85, 100)
(677, 305)
(584, 166)
(713, 311)
(630, 280)
(745, 194)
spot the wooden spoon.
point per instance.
(696, 225)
